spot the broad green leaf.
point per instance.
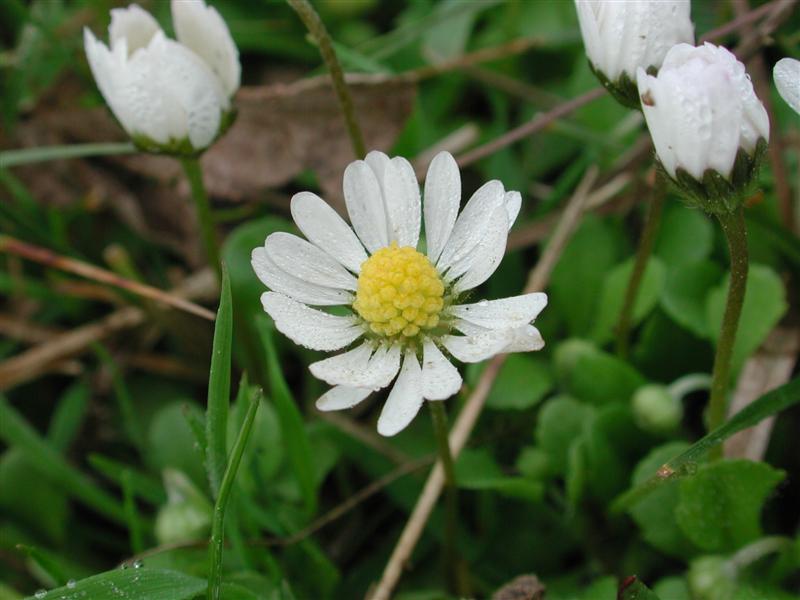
(561, 421)
(685, 293)
(686, 463)
(219, 388)
(672, 588)
(171, 442)
(534, 463)
(720, 507)
(130, 584)
(522, 382)
(298, 446)
(764, 305)
(632, 588)
(16, 432)
(477, 470)
(613, 296)
(69, 415)
(655, 514)
(686, 236)
(599, 378)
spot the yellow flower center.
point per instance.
(399, 292)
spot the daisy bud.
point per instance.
(787, 79)
(622, 37)
(170, 96)
(708, 127)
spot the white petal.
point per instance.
(132, 24)
(525, 339)
(377, 161)
(475, 348)
(107, 68)
(403, 207)
(486, 256)
(442, 199)
(471, 223)
(202, 29)
(654, 106)
(357, 369)
(440, 379)
(787, 79)
(306, 261)
(362, 194)
(326, 229)
(309, 327)
(513, 202)
(505, 313)
(287, 284)
(404, 400)
(341, 397)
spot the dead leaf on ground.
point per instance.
(524, 587)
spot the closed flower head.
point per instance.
(170, 96)
(403, 299)
(708, 127)
(623, 36)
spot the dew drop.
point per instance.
(138, 564)
(483, 303)
(71, 584)
(40, 593)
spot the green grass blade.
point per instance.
(16, 432)
(293, 428)
(146, 487)
(130, 419)
(26, 156)
(218, 524)
(219, 389)
(145, 584)
(68, 416)
(686, 463)
(132, 513)
(47, 562)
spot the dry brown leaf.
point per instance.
(524, 587)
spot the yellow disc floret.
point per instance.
(399, 292)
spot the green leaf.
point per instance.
(26, 156)
(171, 442)
(685, 294)
(764, 305)
(298, 446)
(599, 378)
(477, 470)
(522, 382)
(561, 420)
(15, 431)
(632, 588)
(720, 507)
(147, 488)
(613, 296)
(655, 514)
(685, 236)
(68, 416)
(130, 584)
(219, 389)
(686, 463)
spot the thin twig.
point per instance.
(51, 259)
(469, 415)
(739, 22)
(366, 436)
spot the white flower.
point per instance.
(701, 110)
(787, 79)
(622, 36)
(167, 93)
(404, 304)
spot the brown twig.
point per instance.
(51, 259)
(469, 415)
(739, 22)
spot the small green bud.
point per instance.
(187, 514)
(656, 410)
(711, 578)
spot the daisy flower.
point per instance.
(404, 297)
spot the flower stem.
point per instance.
(455, 578)
(195, 175)
(733, 226)
(646, 241)
(317, 29)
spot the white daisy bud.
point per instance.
(170, 96)
(787, 79)
(623, 36)
(708, 127)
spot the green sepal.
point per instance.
(183, 147)
(624, 89)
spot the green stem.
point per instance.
(317, 29)
(733, 226)
(194, 174)
(646, 241)
(218, 523)
(455, 578)
(25, 156)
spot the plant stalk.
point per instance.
(733, 226)
(194, 174)
(323, 39)
(456, 581)
(643, 252)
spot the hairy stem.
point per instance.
(733, 226)
(194, 174)
(646, 240)
(317, 29)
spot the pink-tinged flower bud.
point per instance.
(622, 37)
(708, 127)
